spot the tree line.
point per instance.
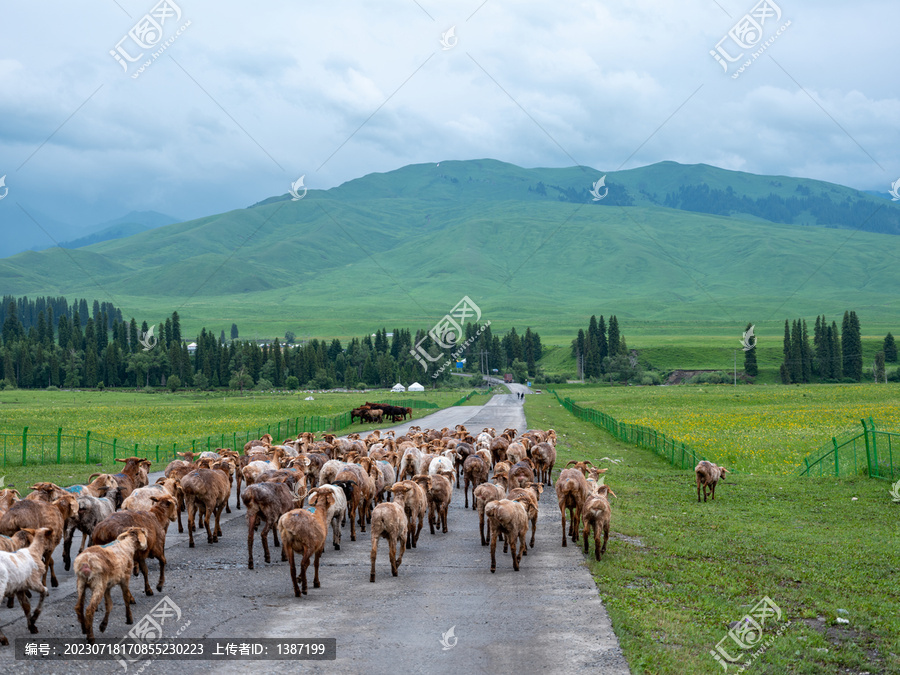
(835, 354)
(59, 344)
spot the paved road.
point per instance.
(547, 618)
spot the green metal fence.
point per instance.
(675, 452)
(472, 393)
(86, 447)
(865, 451)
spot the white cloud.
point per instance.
(298, 80)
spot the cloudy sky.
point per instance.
(244, 99)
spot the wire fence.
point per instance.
(27, 448)
(866, 451)
(678, 454)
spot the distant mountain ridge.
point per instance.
(679, 242)
(124, 226)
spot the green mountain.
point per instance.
(668, 243)
(124, 226)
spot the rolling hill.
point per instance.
(669, 244)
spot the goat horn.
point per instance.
(612, 493)
(588, 462)
(571, 461)
(93, 475)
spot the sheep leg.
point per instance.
(712, 491)
(562, 510)
(67, 547)
(533, 527)
(251, 526)
(290, 555)
(392, 549)
(335, 534)
(84, 538)
(401, 541)
(351, 508)
(605, 539)
(32, 622)
(431, 516)
(576, 523)
(207, 516)
(26, 607)
(481, 527)
(264, 535)
(698, 489)
(96, 596)
(81, 587)
(49, 560)
(444, 517)
(304, 565)
(466, 493)
(180, 509)
(190, 522)
(493, 549)
(274, 534)
(376, 535)
(418, 529)
(237, 494)
(126, 594)
(218, 531)
(586, 530)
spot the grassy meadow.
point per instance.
(677, 573)
(162, 419)
(755, 429)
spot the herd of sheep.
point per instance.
(297, 490)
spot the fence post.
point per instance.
(59, 446)
(157, 452)
(836, 465)
(24, 446)
(87, 448)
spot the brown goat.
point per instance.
(529, 495)
(389, 521)
(102, 567)
(475, 471)
(21, 572)
(207, 491)
(484, 495)
(510, 519)
(544, 457)
(8, 497)
(304, 531)
(155, 524)
(571, 493)
(31, 514)
(521, 474)
(415, 504)
(438, 491)
(708, 475)
(128, 479)
(596, 517)
(267, 502)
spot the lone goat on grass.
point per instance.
(708, 475)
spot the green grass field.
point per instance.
(677, 574)
(160, 419)
(756, 429)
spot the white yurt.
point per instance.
(415, 386)
(398, 388)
